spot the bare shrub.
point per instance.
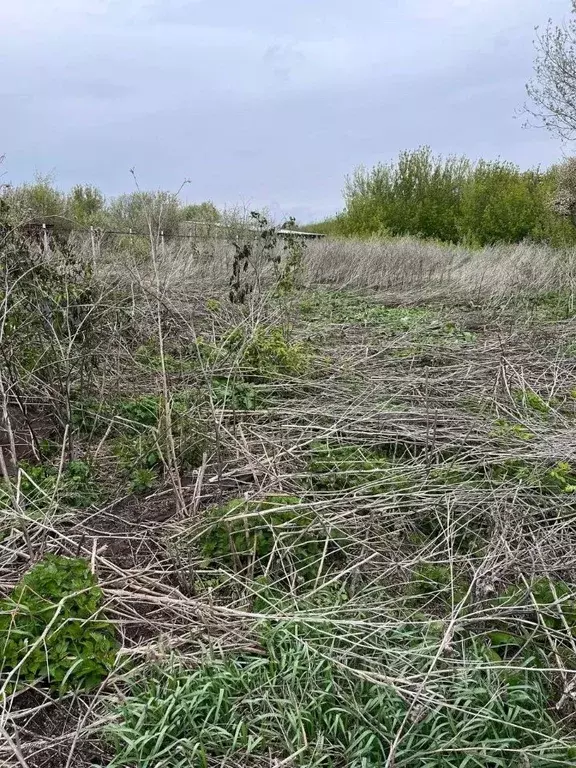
(552, 91)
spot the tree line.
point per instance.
(479, 203)
(456, 200)
(85, 206)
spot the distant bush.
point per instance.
(36, 203)
(206, 212)
(454, 200)
(86, 205)
(161, 211)
(42, 202)
(140, 210)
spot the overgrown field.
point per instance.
(303, 512)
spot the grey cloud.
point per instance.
(255, 102)
(281, 59)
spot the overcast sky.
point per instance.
(261, 102)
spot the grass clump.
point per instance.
(44, 486)
(347, 467)
(307, 700)
(50, 629)
(558, 479)
(278, 534)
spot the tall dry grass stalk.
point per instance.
(418, 265)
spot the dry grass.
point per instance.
(405, 264)
(434, 529)
(410, 264)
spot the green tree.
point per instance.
(456, 200)
(86, 204)
(205, 212)
(419, 194)
(502, 204)
(40, 202)
(139, 211)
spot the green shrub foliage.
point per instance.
(51, 629)
(453, 200)
(276, 533)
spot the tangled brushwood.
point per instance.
(250, 516)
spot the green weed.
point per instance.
(343, 307)
(548, 307)
(346, 467)
(509, 429)
(558, 479)
(50, 629)
(277, 534)
(532, 401)
(309, 699)
(148, 356)
(213, 305)
(267, 353)
(143, 479)
(436, 582)
(92, 417)
(236, 395)
(144, 445)
(263, 354)
(139, 412)
(453, 474)
(42, 487)
(527, 616)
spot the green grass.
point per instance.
(312, 698)
(422, 325)
(278, 535)
(348, 467)
(546, 307)
(343, 307)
